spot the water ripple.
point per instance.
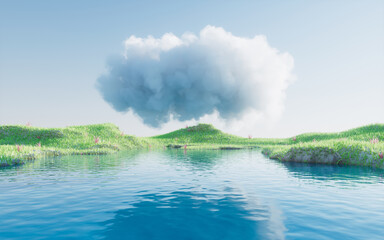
(197, 195)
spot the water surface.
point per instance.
(189, 195)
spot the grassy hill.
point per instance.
(359, 146)
(20, 143)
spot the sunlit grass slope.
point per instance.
(360, 146)
(20, 143)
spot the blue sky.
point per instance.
(52, 52)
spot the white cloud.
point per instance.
(214, 77)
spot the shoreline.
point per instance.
(362, 146)
(319, 155)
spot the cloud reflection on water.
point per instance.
(189, 215)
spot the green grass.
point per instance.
(77, 140)
(352, 147)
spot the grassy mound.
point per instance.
(202, 133)
(365, 133)
(20, 143)
(361, 146)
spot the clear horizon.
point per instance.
(52, 54)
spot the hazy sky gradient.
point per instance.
(52, 52)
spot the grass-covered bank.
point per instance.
(361, 146)
(21, 143)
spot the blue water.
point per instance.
(174, 194)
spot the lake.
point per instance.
(177, 194)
